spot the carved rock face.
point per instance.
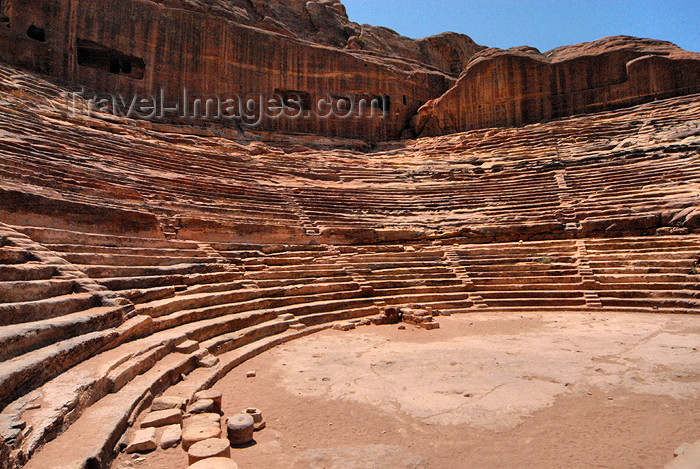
(433, 86)
(326, 22)
(523, 86)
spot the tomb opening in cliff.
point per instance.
(36, 33)
(93, 55)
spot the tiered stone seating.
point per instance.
(51, 316)
(199, 295)
(623, 274)
(528, 197)
(140, 269)
(610, 192)
(233, 300)
(591, 175)
(532, 275)
(400, 276)
(135, 254)
(659, 273)
(615, 173)
(310, 272)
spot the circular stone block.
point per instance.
(202, 406)
(240, 429)
(211, 448)
(195, 433)
(257, 417)
(215, 463)
(215, 396)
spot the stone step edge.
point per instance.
(122, 407)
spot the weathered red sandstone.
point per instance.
(522, 86)
(326, 22)
(140, 47)
(144, 259)
(311, 50)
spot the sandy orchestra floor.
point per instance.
(483, 391)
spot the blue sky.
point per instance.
(542, 24)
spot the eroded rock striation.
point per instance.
(246, 49)
(143, 258)
(326, 22)
(310, 50)
(523, 86)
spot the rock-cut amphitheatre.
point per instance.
(498, 267)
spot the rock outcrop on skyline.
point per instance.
(326, 22)
(311, 50)
(518, 86)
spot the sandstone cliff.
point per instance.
(263, 48)
(326, 22)
(139, 47)
(521, 85)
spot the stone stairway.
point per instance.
(135, 260)
(310, 227)
(567, 211)
(589, 282)
(460, 272)
(410, 275)
(523, 275)
(655, 273)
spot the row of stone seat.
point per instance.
(51, 315)
(491, 178)
(225, 299)
(116, 370)
(57, 159)
(524, 275)
(658, 273)
(317, 285)
(416, 274)
(611, 162)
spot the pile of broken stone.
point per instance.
(414, 315)
(198, 429)
(421, 317)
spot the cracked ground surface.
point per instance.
(485, 390)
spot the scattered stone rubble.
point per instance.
(197, 431)
(413, 315)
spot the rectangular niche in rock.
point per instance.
(94, 55)
(36, 33)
